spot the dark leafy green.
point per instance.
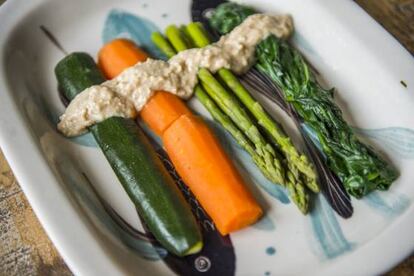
(356, 164)
(228, 15)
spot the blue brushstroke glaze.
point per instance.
(388, 204)
(265, 224)
(275, 190)
(331, 241)
(87, 198)
(398, 139)
(270, 251)
(86, 140)
(121, 24)
(314, 137)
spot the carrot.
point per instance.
(119, 54)
(162, 110)
(212, 177)
(194, 150)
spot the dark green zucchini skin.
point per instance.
(136, 164)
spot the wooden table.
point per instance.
(26, 250)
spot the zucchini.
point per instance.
(136, 164)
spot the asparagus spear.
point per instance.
(273, 166)
(232, 108)
(295, 160)
(186, 37)
(163, 44)
(174, 35)
(198, 34)
(241, 139)
(224, 120)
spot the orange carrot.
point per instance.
(212, 177)
(119, 54)
(162, 110)
(194, 150)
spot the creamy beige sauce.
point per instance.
(126, 94)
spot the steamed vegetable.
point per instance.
(357, 165)
(162, 110)
(141, 173)
(242, 123)
(197, 156)
(210, 174)
(127, 51)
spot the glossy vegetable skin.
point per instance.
(198, 157)
(140, 171)
(128, 52)
(162, 110)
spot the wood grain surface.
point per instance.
(25, 248)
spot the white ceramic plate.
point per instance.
(352, 52)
